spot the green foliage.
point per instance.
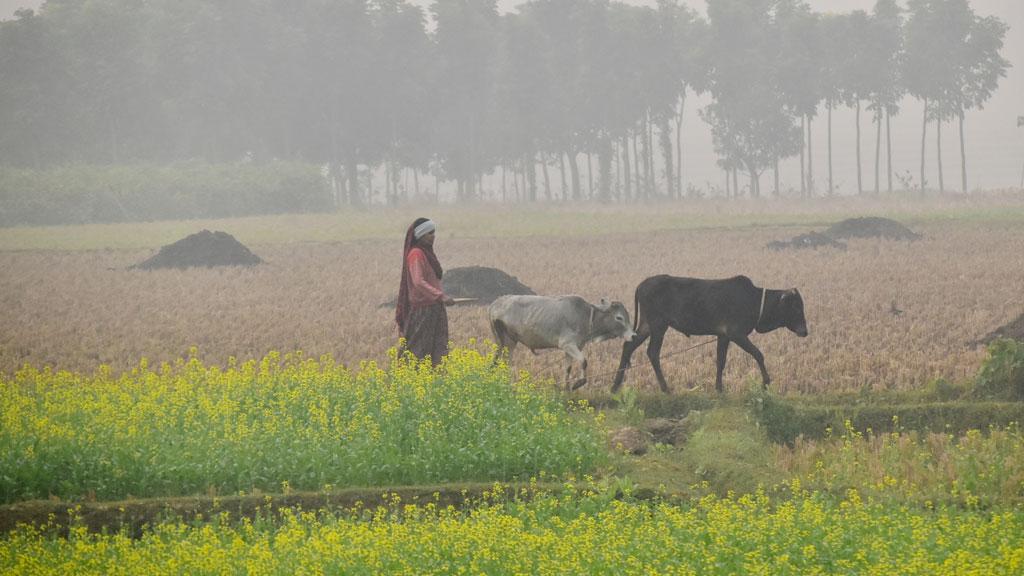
(85, 193)
(730, 452)
(627, 400)
(785, 420)
(1002, 374)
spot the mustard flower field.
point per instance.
(288, 420)
(592, 534)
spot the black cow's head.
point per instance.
(791, 312)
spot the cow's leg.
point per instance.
(745, 343)
(723, 349)
(654, 355)
(628, 347)
(573, 352)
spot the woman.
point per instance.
(420, 314)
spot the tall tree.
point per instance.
(466, 37)
(978, 66)
(798, 71)
(402, 59)
(926, 67)
(858, 75)
(682, 63)
(36, 103)
(835, 73)
(750, 123)
(884, 52)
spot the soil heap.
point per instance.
(866, 227)
(871, 227)
(483, 283)
(809, 240)
(480, 282)
(203, 249)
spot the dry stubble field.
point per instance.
(75, 309)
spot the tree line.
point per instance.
(460, 90)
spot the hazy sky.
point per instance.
(995, 144)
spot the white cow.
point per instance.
(565, 322)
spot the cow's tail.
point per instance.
(499, 330)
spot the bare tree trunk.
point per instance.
(878, 145)
(963, 153)
(617, 160)
(652, 182)
(888, 149)
(590, 177)
(515, 180)
(639, 172)
(525, 184)
(627, 191)
(775, 191)
(860, 184)
(831, 189)
(547, 177)
(735, 182)
(574, 173)
(561, 167)
(504, 178)
(803, 147)
(352, 173)
(531, 173)
(679, 144)
(810, 158)
(727, 188)
(605, 153)
(938, 151)
(665, 139)
(416, 180)
(924, 132)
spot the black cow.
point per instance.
(729, 308)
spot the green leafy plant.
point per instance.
(1002, 374)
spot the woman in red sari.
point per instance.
(420, 311)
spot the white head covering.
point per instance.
(423, 229)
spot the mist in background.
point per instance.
(994, 142)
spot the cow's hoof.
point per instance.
(578, 384)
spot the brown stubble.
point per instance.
(75, 310)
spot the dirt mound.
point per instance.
(483, 283)
(480, 282)
(871, 227)
(809, 240)
(1013, 330)
(205, 249)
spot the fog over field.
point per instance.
(995, 145)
